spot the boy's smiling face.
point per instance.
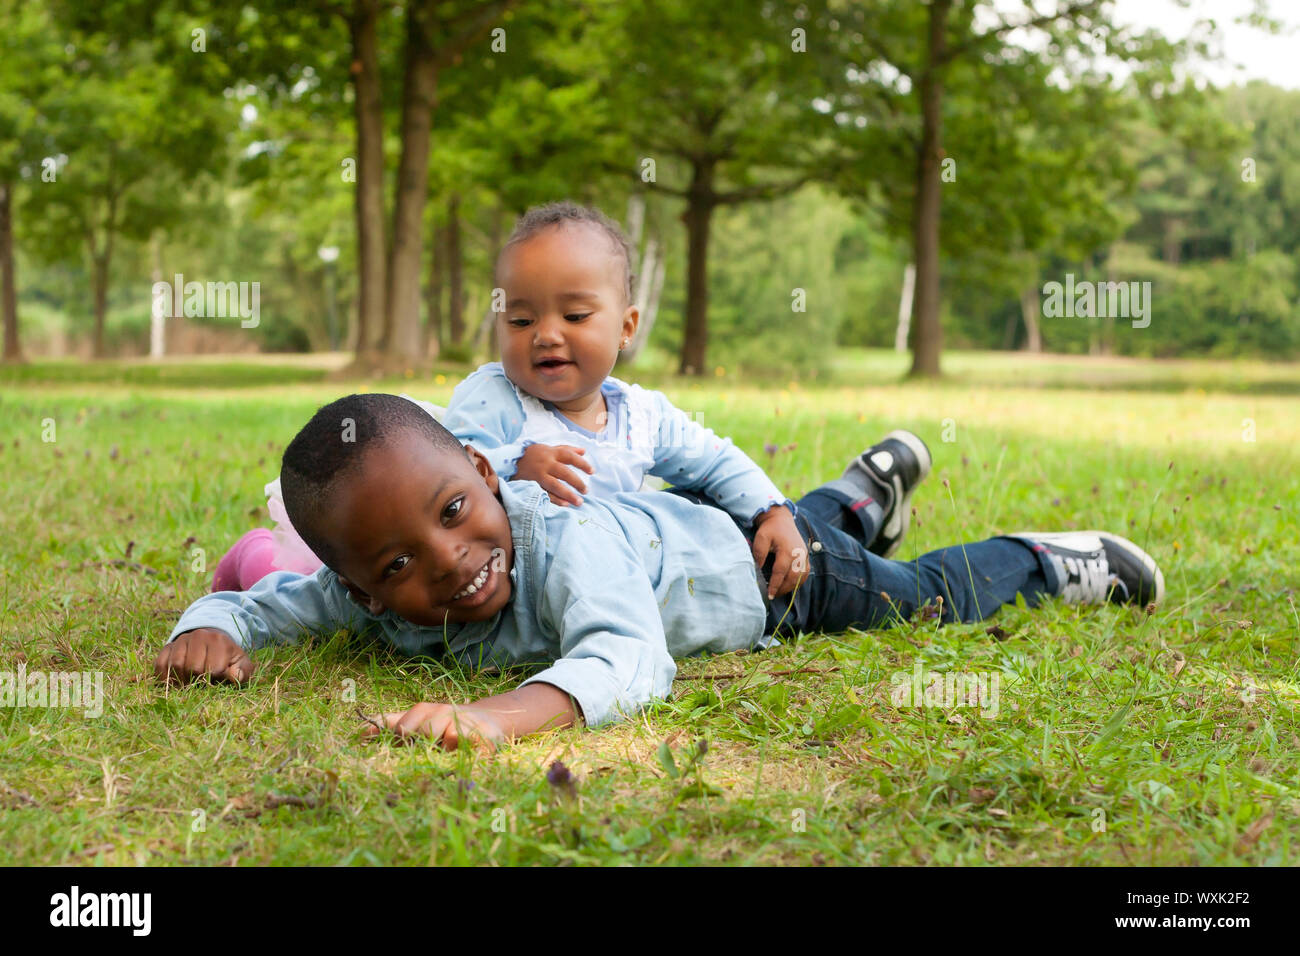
(416, 528)
(566, 312)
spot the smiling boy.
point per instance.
(551, 411)
(423, 543)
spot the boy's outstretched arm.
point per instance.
(612, 658)
(204, 651)
(216, 632)
(491, 721)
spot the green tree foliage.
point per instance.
(982, 131)
(776, 309)
(713, 106)
(126, 131)
(1209, 223)
(30, 62)
(788, 142)
(1254, 205)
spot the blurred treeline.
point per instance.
(139, 141)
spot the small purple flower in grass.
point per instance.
(562, 779)
(771, 448)
(932, 612)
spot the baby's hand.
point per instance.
(201, 652)
(447, 724)
(546, 465)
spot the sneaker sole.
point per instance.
(922, 452)
(1124, 544)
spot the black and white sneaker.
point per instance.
(1094, 567)
(895, 466)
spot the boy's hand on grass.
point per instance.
(548, 466)
(203, 652)
(776, 531)
(447, 724)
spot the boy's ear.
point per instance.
(483, 467)
(373, 605)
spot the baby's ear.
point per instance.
(360, 597)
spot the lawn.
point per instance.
(1119, 735)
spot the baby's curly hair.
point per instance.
(564, 212)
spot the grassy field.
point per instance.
(1120, 736)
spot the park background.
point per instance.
(363, 162)
(782, 168)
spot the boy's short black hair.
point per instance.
(331, 447)
(564, 212)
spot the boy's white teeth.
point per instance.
(474, 585)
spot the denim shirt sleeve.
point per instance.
(276, 610)
(485, 412)
(596, 597)
(690, 456)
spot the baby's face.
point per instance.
(417, 528)
(566, 312)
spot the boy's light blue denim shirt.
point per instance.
(485, 412)
(609, 593)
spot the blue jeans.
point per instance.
(851, 587)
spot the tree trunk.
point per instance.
(158, 323)
(901, 332)
(494, 236)
(456, 271)
(1029, 311)
(1172, 240)
(927, 334)
(645, 276)
(99, 279)
(433, 300)
(8, 282)
(419, 89)
(656, 290)
(635, 219)
(369, 195)
(699, 212)
(1107, 345)
(484, 336)
(650, 283)
(1009, 330)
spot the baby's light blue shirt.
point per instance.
(608, 594)
(485, 412)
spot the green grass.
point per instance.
(182, 375)
(1177, 728)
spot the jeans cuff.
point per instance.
(1054, 583)
(844, 490)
